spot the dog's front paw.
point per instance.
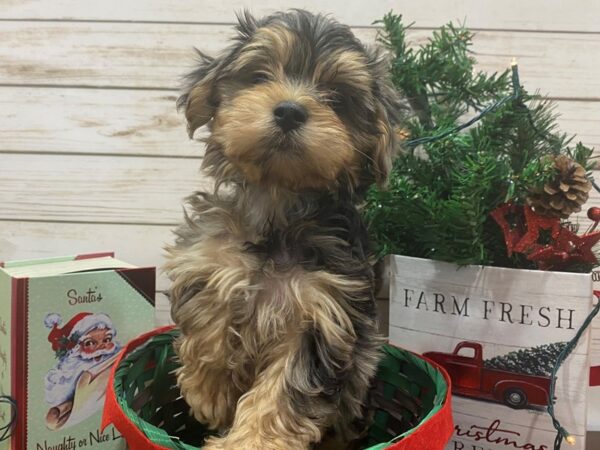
(254, 443)
(211, 398)
(216, 443)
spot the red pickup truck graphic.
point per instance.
(470, 378)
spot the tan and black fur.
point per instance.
(272, 285)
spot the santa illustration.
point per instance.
(85, 348)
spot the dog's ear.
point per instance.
(199, 100)
(201, 97)
(390, 110)
(384, 149)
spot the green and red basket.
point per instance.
(410, 400)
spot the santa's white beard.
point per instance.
(60, 381)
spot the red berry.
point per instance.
(594, 213)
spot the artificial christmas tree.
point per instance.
(452, 173)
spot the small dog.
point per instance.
(272, 284)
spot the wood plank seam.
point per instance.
(231, 24)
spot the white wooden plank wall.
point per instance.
(90, 139)
(93, 155)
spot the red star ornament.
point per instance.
(535, 223)
(567, 249)
(514, 230)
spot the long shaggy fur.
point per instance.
(272, 285)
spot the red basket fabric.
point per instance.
(433, 434)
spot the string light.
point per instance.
(488, 109)
(561, 432)
(6, 430)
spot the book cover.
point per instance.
(65, 320)
(498, 333)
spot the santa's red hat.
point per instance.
(67, 337)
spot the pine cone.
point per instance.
(565, 194)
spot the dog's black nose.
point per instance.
(290, 115)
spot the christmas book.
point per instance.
(62, 323)
(498, 332)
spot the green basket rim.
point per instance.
(434, 374)
(161, 437)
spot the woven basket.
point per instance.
(410, 400)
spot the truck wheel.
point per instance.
(515, 398)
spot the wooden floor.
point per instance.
(93, 155)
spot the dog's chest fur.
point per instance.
(262, 277)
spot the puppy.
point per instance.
(272, 285)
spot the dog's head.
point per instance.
(297, 102)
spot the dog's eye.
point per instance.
(260, 77)
(333, 97)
